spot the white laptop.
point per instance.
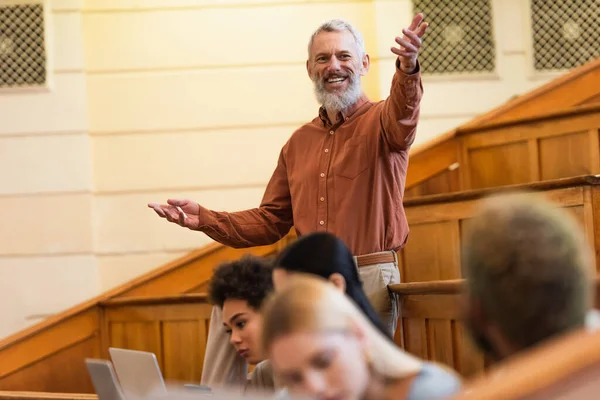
(104, 379)
(179, 393)
(138, 372)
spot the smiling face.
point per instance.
(335, 66)
(244, 324)
(328, 366)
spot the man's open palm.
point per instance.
(410, 44)
(189, 218)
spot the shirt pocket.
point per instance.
(353, 160)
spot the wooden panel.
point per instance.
(592, 212)
(52, 340)
(594, 149)
(565, 156)
(415, 337)
(578, 214)
(534, 160)
(176, 332)
(432, 306)
(440, 341)
(443, 182)
(160, 312)
(184, 347)
(135, 335)
(469, 359)
(63, 371)
(575, 120)
(499, 165)
(432, 252)
(427, 162)
(465, 205)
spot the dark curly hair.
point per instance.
(249, 278)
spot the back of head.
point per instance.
(249, 278)
(527, 264)
(311, 305)
(324, 254)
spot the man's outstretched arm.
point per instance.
(401, 109)
(259, 226)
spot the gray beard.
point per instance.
(338, 101)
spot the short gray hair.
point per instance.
(529, 265)
(339, 25)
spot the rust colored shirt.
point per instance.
(346, 178)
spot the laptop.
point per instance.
(104, 379)
(138, 372)
(179, 393)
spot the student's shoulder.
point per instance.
(434, 382)
(262, 376)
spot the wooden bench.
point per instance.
(564, 368)
(433, 329)
(548, 146)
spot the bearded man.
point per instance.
(344, 172)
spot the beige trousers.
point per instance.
(375, 279)
(223, 366)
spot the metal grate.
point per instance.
(566, 33)
(22, 47)
(460, 39)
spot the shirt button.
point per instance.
(326, 150)
(322, 199)
(322, 222)
(331, 132)
(322, 175)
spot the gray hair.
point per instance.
(529, 265)
(339, 25)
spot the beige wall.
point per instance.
(46, 253)
(191, 98)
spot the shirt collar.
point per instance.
(343, 115)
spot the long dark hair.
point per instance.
(324, 254)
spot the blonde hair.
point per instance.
(311, 304)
